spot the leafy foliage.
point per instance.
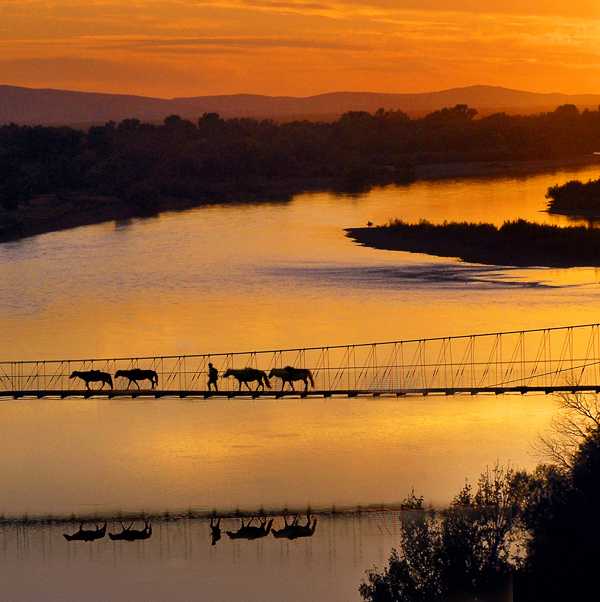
(465, 553)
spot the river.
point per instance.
(263, 276)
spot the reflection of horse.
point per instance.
(287, 530)
(215, 530)
(129, 534)
(246, 375)
(93, 376)
(86, 534)
(294, 530)
(248, 532)
(136, 374)
(290, 374)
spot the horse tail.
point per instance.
(266, 380)
(310, 377)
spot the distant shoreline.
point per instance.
(51, 213)
(461, 170)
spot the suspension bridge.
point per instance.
(542, 360)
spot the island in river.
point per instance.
(515, 243)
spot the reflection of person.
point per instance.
(213, 375)
(215, 530)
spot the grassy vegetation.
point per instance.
(515, 243)
(575, 198)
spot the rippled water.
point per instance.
(222, 278)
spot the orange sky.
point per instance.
(299, 47)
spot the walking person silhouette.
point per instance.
(213, 375)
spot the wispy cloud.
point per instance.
(349, 8)
(291, 46)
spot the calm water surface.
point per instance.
(179, 564)
(222, 279)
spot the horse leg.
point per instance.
(292, 385)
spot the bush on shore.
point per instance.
(575, 197)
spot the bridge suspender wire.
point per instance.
(561, 358)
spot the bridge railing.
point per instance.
(542, 358)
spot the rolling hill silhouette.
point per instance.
(53, 107)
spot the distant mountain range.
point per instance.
(53, 107)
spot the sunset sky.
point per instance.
(299, 47)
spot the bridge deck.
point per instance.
(157, 393)
(533, 361)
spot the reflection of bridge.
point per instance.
(544, 360)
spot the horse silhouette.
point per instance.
(246, 375)
(129, 534)
(215, 530)
(294, 530)
(136, 374)
(93, 376)
(249, 532)
(290, 374)
(87, 534)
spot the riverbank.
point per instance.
(518, 243)
(490, 168)
(54, 212)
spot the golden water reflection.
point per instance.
(170, 454)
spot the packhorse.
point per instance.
(290, 374)
(136, 374)
(246, 375)
(91, 376)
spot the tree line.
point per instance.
(205, 160)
